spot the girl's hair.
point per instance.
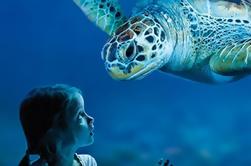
(41, 109)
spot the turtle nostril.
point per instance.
(130, 51)
(141, 58)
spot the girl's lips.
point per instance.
(91, 128)
(91, 132)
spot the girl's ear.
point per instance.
(60, 121)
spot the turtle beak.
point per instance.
(124, 73)
(119, 72)
(131, 72)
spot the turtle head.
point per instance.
(138, 47)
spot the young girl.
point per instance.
(56, 125)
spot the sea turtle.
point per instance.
(202, 40)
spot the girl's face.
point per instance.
(80, 123)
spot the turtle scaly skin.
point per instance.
(106, 14)
(175, 37)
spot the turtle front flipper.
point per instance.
(233, 60)
(106, 14)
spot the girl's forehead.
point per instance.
(79, 102)
(79, 99)
(76, 104)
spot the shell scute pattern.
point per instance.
(211, 32)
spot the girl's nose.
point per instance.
(90, 120)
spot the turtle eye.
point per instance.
(130, 51)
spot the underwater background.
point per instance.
(136, 122)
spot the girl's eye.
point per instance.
(81, 115)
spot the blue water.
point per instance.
(137, 122)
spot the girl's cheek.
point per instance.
(82, 122)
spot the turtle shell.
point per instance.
(239, 9)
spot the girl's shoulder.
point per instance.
(86, 160)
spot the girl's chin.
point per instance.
(88, 143)
(91, 140)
